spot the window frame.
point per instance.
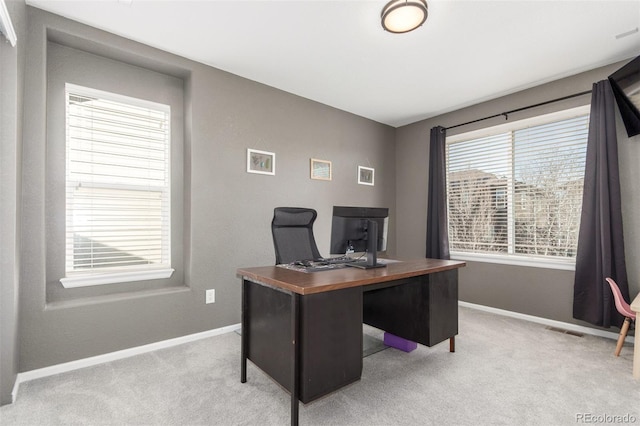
(84, 278)
(548, 262)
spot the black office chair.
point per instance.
(292, 229)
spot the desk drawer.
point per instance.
(423, 309)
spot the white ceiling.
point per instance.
(336, 52)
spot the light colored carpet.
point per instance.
(505, 372)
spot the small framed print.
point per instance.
(365, 175)
(320, 169)
(261, 162)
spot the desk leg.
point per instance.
(636, 351)
(244, 338)
(295, 357)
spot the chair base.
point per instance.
(623, 334)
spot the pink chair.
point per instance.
(625, 310)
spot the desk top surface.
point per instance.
(336, 279)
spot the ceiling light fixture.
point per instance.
(402, 16)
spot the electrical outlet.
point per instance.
(210, 296)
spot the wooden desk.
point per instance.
(635, 306)
(305, 329)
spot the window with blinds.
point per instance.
(117, 185)
(517, 191)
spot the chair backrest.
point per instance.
(292, 229)
(621, 305)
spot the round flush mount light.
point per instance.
(402, 16)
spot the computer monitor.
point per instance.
(359, 229)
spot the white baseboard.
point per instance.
(126, 353)
(546, 321)
(113, 356)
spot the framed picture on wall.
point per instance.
(365, 175)
(320, 169)
(262, 162)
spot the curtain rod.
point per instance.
(506, 114)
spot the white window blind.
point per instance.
(117, 185)
(518, 192)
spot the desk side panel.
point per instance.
(330, 338)
(443, 306)
(268, 331)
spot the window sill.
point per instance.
(563, 264)
(115, 277)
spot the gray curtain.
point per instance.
(600, 251)
(437, 228)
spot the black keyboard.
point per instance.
(337, 260)
(324, 264)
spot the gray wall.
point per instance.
(11, 84)
(541, 292)
(227, 212)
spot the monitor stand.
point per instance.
(372, 249)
